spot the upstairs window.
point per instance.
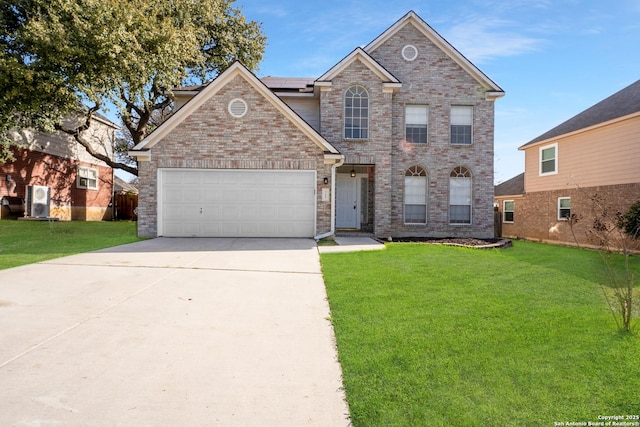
(549, 159)
(416, 118)
(356, 113)
(415, 195)
(87, 178)
(460, 196)
(461, 124)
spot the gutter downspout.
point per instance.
(333, 201)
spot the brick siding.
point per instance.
(210, 138)
(264, 139)
(58, 173)
(376, 149)
(436, 80)
(536, 214)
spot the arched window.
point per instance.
(460, 184)
(415, 195)
(356, 113)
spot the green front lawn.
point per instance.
(445, 336)
(26, 242)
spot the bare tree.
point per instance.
(617, 238)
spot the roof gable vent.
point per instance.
(409, 52)
(238, 108)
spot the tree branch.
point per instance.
(76, 133)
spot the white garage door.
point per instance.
(236, 203)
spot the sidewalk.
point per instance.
(352, 244)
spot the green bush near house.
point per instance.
(445, 336)
(26, 242)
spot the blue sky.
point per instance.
(553, 58)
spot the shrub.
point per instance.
(630, 222)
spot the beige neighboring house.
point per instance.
(594, 154)
(396, 139)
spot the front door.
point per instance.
(347, 212)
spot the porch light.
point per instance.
(353, 173)
(325, 180)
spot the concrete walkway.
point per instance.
(171, 332)
(352, 244)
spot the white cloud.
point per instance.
(481, 40)
(276, 10)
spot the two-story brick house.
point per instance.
(52, 175)
(589, 162)
(396, 139)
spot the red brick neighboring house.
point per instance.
(395, 140)
(594, 154)
(78, 186)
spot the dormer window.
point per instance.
(356, 113)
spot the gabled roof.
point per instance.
(358, 54)
(494, 91)
(236, 69)
(121, 186)
(105, 120)
(511, 187)
(276, 84)
(288, 83)
(618, 105)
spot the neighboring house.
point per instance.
(54, 176)
(594, 154)
(506, 196)
(120, 186)
(395, 140)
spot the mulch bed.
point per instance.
(467, 242)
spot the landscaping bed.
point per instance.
(469, 242)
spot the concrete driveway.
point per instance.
(171, 332)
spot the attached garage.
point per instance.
(235, 161)
(236, 203)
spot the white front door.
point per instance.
(347, 212)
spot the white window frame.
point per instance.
(416, 115)
(362, 92)
(456, 120)
(463, 175)
(560, 216)
(420, 178)
(84, 173)
(504, 211)
(555, 159)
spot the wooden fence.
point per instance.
(126, 205)
(497, 223)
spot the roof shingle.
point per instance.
(511, 187)
(620, 104)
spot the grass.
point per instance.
(26, 242)
(445, 336)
